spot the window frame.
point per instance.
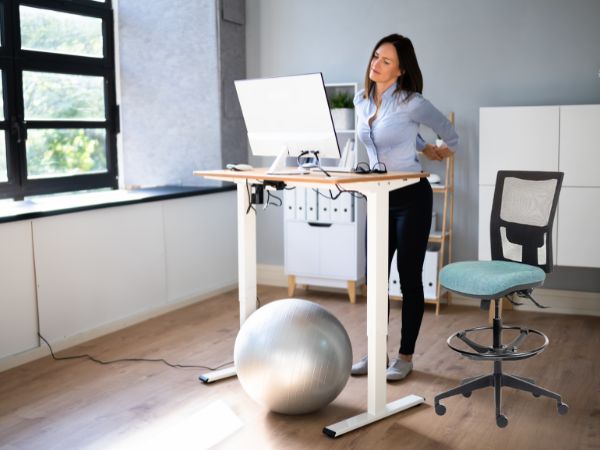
(14, 61)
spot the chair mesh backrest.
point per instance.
(523, 215)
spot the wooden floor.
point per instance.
(78, 404)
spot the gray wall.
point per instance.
(173, 115)
(473, 53)
(232, 54)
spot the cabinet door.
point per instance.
(18, 313)
(301, 249)
(337, 252)
(578, 236)
(579, 145)
(517, 138)
(96, 267)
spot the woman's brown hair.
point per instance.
(411, 79)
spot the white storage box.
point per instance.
(430, 269)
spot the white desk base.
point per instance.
(343, 427)
(216, 375)
(377, 193)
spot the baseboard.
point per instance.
(18, 359)
(560, 302)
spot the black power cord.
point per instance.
(99, 361)
(250, 205)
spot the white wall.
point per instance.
(471, 53)
(81, 273)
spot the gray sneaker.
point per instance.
(361, 367)
(398, 369)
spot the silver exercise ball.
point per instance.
(293, 356)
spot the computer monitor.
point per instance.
(286, 116)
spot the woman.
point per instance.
(390, 110)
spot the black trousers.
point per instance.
(409, 225)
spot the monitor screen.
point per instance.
(288, 114)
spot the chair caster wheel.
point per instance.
(501, 420)
(440, 410)
(563, 408)
(466, 394)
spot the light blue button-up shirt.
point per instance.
(393, 137)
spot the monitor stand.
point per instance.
(279, 166)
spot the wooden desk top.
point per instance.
(312, 177)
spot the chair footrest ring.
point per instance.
(507, 352)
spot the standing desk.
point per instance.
(376, 188)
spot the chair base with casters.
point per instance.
(492, 281)
(498, 353)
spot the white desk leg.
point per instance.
(377, 305)
(246, 270)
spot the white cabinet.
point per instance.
(547, 138)
(327, 246)
(96, 270)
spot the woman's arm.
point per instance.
(423, 112)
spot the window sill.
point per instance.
(51, 205)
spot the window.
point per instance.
(58, 117)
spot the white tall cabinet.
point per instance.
(547, 138)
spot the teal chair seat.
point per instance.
(490, 279)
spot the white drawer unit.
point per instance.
(326, 244)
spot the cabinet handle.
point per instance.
(319, 224)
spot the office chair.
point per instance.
(521, 242)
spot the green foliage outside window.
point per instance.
(47, 96)
(65, 152)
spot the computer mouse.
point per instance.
(239, 167)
